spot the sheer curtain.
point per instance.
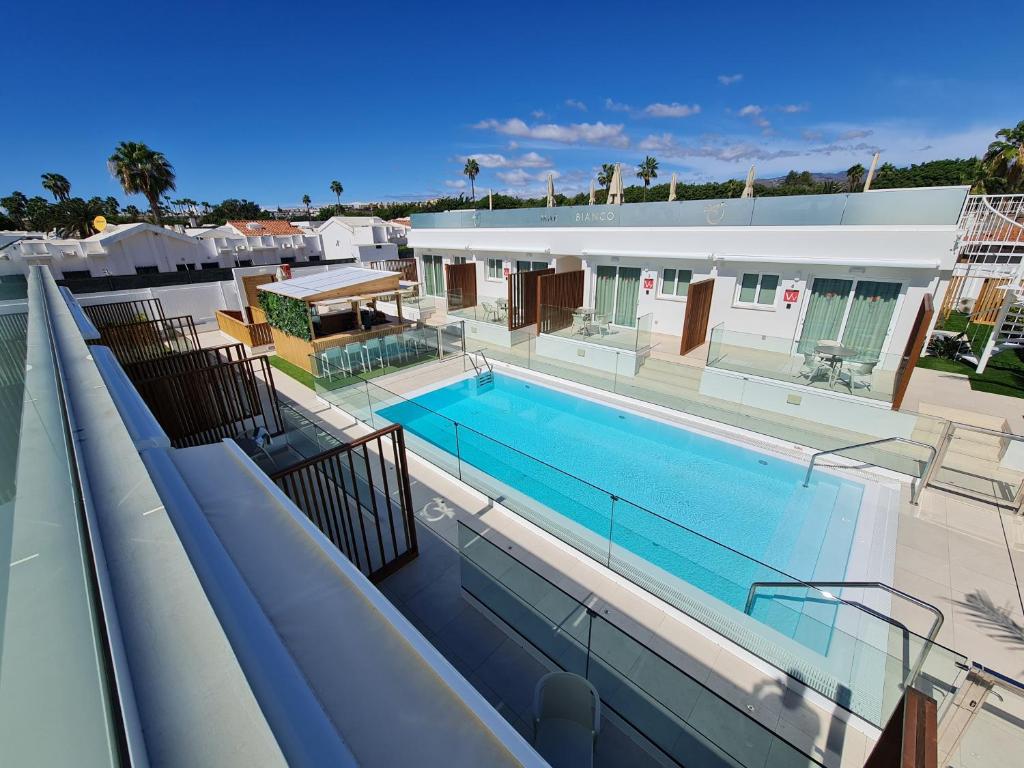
(604, 301)
(825, 311)
(627, 296)
(873, 305)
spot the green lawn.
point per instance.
(1004, 374)
(976, 334)
(301, 376)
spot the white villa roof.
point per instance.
(307, 286)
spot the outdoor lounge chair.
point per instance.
(566, 720)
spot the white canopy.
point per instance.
(551, 191)
(615, 191)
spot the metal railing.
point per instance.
(360, 498)
(915, 493)
(1008, 490)
(911, 671)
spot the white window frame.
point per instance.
(757, 294)
(893, 321)
(672, 296)
(459, 260)
(533, 265)
(501, 270)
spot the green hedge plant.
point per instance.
(288, 315)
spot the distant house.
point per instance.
(141, 248)
(358, 239)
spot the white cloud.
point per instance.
(754, 112)
(575, 133)
(576, 104)
(671, 110)
(538, 114)
(456, 184)
(854, 133)
(658, 142)
(519, 177)
(615, 106)
(486, 160)
(729, 79)
(792, 109)
(812, 135)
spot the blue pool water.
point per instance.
(751, 502)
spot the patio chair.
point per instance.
(603, 323)
(579, 324)
(353, 355)
(490, 311)
(374, 351)
(394, 349)
(857, 373)
(566, 720)
(812, 367)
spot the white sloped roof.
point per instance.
(307, 286)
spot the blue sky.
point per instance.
(273, 101)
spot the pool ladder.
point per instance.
(910, 670)
(484, 377)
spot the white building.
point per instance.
(142, 248)
(789, 271)
(359, 238)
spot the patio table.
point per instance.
(835, 354)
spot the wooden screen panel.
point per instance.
(910, 738)
(522, 297)
(461, 281)
(407, 267)
(952, 297)
(914, 348)
(250, 283)
(990, 301)
(123, 312)
(557, 296)
(698, 312)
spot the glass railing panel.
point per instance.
(994, 736)
(985, 464)
(685, 719)
(938, 205)
(644, 331)
(798, 210)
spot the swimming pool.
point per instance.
(702, 509)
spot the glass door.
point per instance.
(618, 294)
(869, 318)
(826, 308)
(433, 275)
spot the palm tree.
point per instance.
(306, 200)
(337, 189)
(57, 185)
(647, 170)
(142, 171)
(853, 176)
(604, 178)
(132, 213)
(74, 217)
(1004, 158)
(206, 207)
(472, 169)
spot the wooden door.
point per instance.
(698, 311)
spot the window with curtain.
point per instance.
(826, 307)
(675, 282)
(627, 296)
(758, 289)
(869, 318)
(433, 275)
(494, 270)
(458, 259)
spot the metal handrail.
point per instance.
(915, 493)
(933, 632)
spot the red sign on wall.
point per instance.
(506, 272)
(790, 296)
(648, 283)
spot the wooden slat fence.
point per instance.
(150, 339)
(461, 280)
(406, 266)
(952, 297)
(698, 312)
(232, 322)
(990, 301)
(123, 312)
(522, 298)
(358, 495)
(201, 405)
(910, 738)
(557, 296)
(913, 350)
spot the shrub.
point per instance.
(947, 346)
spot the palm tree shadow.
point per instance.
(995, 620)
